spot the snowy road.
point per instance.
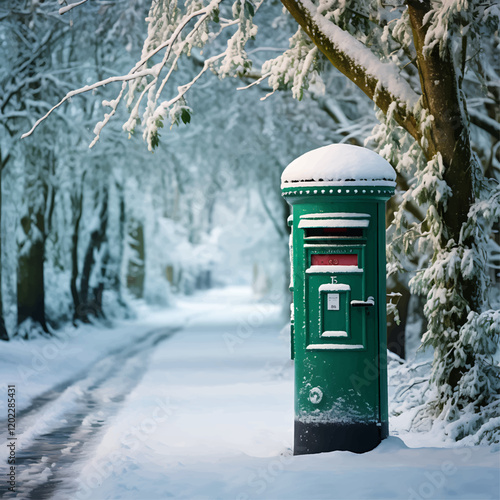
(60, 425)
(213, 396)
(207, 413)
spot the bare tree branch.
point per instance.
(63, 10)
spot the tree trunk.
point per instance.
(448, 137)
(3, 330)
(115, 279)
(30, 273)
(136, 265)
(31, 246)
(98, 290)
(350, 68)
(396, 340)
(448, 133)
(92, 305)
(77, 208)
(446, 144)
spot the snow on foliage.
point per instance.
(296, 67)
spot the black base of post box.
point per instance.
(318, 437)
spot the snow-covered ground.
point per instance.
(197, 402)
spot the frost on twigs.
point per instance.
(236, 61)
(471, 414)
(466, 371)
(174, 30)
(296, 67)
(172, 33)
(459, 393)
(470, 18)
(392, 306)
(468, 411)
(405, 232)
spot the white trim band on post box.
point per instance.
(334, 287)
(311, 223)
(335, 347)
(333, 269)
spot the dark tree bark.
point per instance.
(379, 94)
(77, 209)
(136, 268)
(31, 247)
(3, 330)
(447, 135)
(396, 338)
(98, 290)
(39, 159)
(30, 273)
(89, 303)
(115, 279)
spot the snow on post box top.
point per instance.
(339, 165)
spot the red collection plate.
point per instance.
(326, 259)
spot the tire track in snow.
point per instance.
(57, 429)
(40, 401)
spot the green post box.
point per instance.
(337, 251)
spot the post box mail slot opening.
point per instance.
(338, 226)
(322, 259)
(325, 232)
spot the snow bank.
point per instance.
(339, 164)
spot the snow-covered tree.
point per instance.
(44, 55)
(31, 42)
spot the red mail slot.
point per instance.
(328, 259)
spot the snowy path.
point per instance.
(213, 396)
(59, 425)
(207, 413)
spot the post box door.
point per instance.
(334, 251)
(332, 319)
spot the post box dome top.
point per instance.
(339, 165)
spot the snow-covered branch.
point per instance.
(175, 33)
(84, 89)
(67, 8)
(380, 81)
(258, 81)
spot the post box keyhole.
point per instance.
(315, 395)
